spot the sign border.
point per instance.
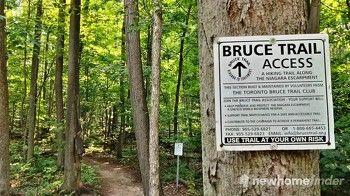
(221, 146)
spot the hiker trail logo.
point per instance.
(239, 69)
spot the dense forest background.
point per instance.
(105, 114)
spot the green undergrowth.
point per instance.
(189, 172)
(190, 168)
(41, 176)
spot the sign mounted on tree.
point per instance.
(273, 93)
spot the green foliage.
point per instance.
(41, 176)
(335, 21)
(38, 177)
(129, 155)
(189, 171)
(89, 176)
(337, 162)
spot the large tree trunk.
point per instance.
(154, 186)
(222, 170)
(73, 141)
(4, 108)
(137, 90)
(59, 83)
(33, 82)
(179, 76)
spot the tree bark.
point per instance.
(59, 83)
(13, 113)
(42, 92)
(50, 101)
(46, 70)
(313, 25)
(348, 6)
(222, 170)
(137, 90)
(24, 98)
(73, 142)
(4, 108)
(31, 117)
(179, 77)
(154, 186)
(120, 142)
(149, 60)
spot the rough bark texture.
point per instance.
(59, 83)
(179, 76)
(4, 109)
(137, 90)
(33, 82)
(155, 96)
(73, 141)
(222, 170)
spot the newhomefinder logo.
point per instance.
(246, 181)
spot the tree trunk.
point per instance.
(59, 83)
(190, 132)
(4, 108)
(46, 70)
(179, 77)
(348, 6)
(148, 61)
(38, 135)
(73, 142)
(111, 123)
(33, 82)
(313, 25)
(50, 97)
(154, 186)
(137, 90)
(24, 98)
(13, 116)
(105, 128)
(120, 142)
(44, 129)
(222, 170)
(114, 128)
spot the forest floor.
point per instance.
(118, 179)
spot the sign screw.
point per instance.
(273, 146)
(272, 41)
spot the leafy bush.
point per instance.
(336, 162)
(41, 176)
(188, 171)
(89, 176)
(38, 177)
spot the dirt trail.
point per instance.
(117, 179)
